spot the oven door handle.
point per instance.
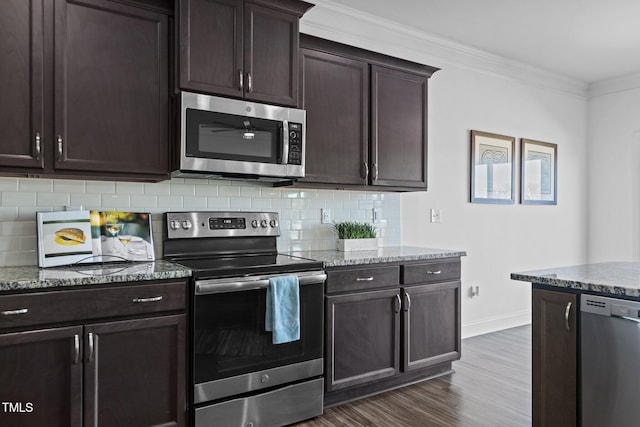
(205, 287)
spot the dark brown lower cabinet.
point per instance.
(363, 337)
(41, 378)
(103, 370)
(555, 351)
(431, 319)
(390, 325)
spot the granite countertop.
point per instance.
(33, 278)
(332, 258)
(609, 278)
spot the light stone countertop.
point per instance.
(332, 258)
(609, 278)
(34, 278)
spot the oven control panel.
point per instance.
(189, 225)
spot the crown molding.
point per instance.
(343, 24)
(618, 84)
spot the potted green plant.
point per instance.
(355, 236)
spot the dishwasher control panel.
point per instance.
(605, 306)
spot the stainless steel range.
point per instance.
(238, 376)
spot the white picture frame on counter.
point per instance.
(64, 238)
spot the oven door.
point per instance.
(232, 351)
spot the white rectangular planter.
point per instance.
(348, 245)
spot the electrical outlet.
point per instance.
(474, 291)
(377, 215)
(325, 216)
(436, 215)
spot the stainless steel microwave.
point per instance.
(235, 138)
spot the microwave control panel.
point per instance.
(295, 144)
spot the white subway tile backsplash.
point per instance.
(26, 184)
(68, 186)
(26, 198)
(52, 200)
(100, 187)
(299, 209)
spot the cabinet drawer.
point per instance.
(439, 271)
(362, 279)
(84, 304)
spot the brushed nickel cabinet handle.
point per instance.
(91, 346)
(366, 170)
(407, 306)
(76, 349)
(60, 141)
(14, 312)
(38, 145)
(241, 79)
(566, 316)
(249, 83)
(364, 279)
(375, 171)
(150, 299)
(398, 304)
(434, 272)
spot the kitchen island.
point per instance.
(557, 296)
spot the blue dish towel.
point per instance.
(282, 316)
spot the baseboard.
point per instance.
(497, 323)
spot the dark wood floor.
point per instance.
(491, 387)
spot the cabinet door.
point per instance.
(41, 378)
(21, 74)
(335, 94)
(111, 88)
(398, 128)
(211, 46)
(270, 55)
(135, 372)
(363, 331)
(555, 352)
(431, 324)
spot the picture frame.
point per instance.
(538, 172)
(64, 238)
(492, 168)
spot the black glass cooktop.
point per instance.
(216, 267)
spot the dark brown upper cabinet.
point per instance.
(366, 118)
(87, 89)
(241, 49)
(22, 75)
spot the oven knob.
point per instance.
(263, 223)
(174, 225)
(264, 379)
(254, 223)
(186, 224)
(273, 223)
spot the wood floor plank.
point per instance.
(491, 387)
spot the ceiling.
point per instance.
(587, 40)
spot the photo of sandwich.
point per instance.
(70, 236)
(64, 238)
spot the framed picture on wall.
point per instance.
(492, 168)
(538, 171)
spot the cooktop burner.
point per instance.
(228, 244)
(209, 268)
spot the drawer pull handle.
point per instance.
(12, 312)
(151, 299)
(434, 272)
(364, 279)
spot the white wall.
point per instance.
(475, 90)
(614, 172)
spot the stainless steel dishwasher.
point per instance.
(610, 348)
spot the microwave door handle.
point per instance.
(285, 142)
